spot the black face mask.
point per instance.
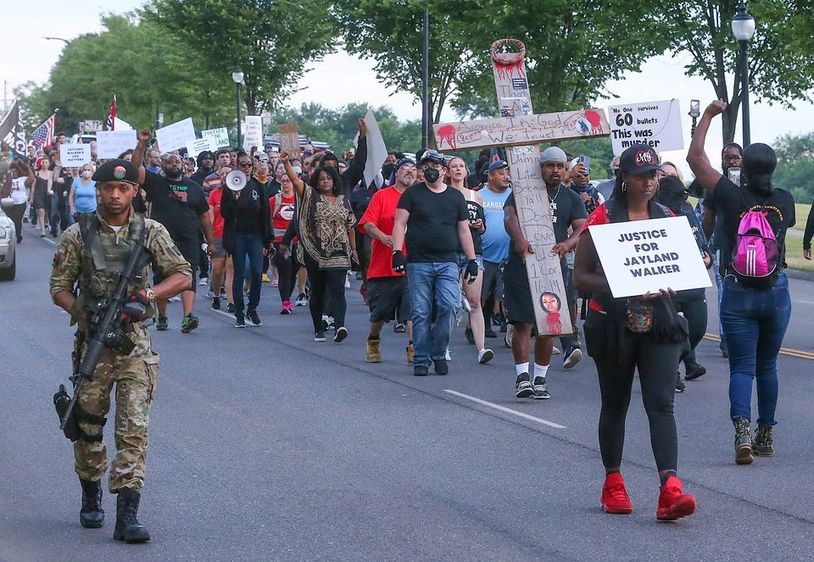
(432, 175)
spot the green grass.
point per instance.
(794, 254)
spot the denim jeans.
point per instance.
(247, 246)
(432, 282)
(755, 321)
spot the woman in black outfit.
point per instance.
(624, 335)
(246, 233)
(327, 242)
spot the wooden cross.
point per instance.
(522, 131)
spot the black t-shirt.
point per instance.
(732, 202)
(432, 229)
(177, 205)
(474, 212)
(566, 207)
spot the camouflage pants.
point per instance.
(135, 377)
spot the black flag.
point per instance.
(11, 131)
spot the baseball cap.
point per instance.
(497, 165)
(404, 162)
(116, 170)
(553, 154)
(432, 156)
(638, 159)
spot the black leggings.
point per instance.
(326, 285)
(16, 215)
(657, 364)
(287, 273)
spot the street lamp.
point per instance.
(743, 27)
(237, 77)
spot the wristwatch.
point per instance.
(148, 292)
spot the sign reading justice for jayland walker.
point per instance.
(642, 256)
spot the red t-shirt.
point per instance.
(284, 215)
(217, 221)
(381, 212)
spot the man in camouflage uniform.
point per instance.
(91, 255)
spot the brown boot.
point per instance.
(743, 441)
(372, 353)
(763, 445)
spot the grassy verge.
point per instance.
(794, 254)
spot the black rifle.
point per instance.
(106, 331)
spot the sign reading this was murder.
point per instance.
(520, 129)
(648, 255)
(654, 123)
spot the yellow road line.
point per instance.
(783, 350)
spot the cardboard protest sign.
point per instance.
(648, 255)
(221, 136)
(195, 147)
(376, 149)
(654, 123)
(109, 144)
(253, 134)
(175, 136)
(521, 129)
(74, 155)
(289, 138)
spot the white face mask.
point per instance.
(86, 174)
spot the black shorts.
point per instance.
(389, 298)
(192, 253)
(517, 294)
(492, 281)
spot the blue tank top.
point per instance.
(84, 197)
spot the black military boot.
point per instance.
(92, 516)
(128, 528)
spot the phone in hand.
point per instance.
(585, 161)
(734, 174)
(695, 108)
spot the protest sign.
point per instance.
(648, 255)
(195, 147)
(74, 155)
(654, 123)
(121, 124)
(521, 129)
(221, 136)
(376, 149)
(109, 144)
(175, 136)
(289, 138)
(253, 134)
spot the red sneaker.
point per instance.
(673, 502)
(614, 495)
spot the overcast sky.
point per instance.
(342, 79)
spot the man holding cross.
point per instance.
(567, 210)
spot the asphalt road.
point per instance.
(268, 446)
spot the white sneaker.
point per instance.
(347, 280)
(485, 355)
(447, 356)
(556, 351)
(175, 299)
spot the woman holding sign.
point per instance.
(625, 335)
(755, 300)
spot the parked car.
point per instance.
(8, 245)
(85, 138)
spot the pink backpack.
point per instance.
(755, 256)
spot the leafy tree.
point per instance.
(779, 57)
(147, 71)
(389, 32)
(338, 127)
(573, 47)
(795, 166)
(271, 41)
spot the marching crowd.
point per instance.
(436, 243)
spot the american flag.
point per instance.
(44, 134)
(111, 116)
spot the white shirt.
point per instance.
(18, 192)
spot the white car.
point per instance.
(8, 245)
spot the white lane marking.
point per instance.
(504, 409)
(52, 242)
(805, 302)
